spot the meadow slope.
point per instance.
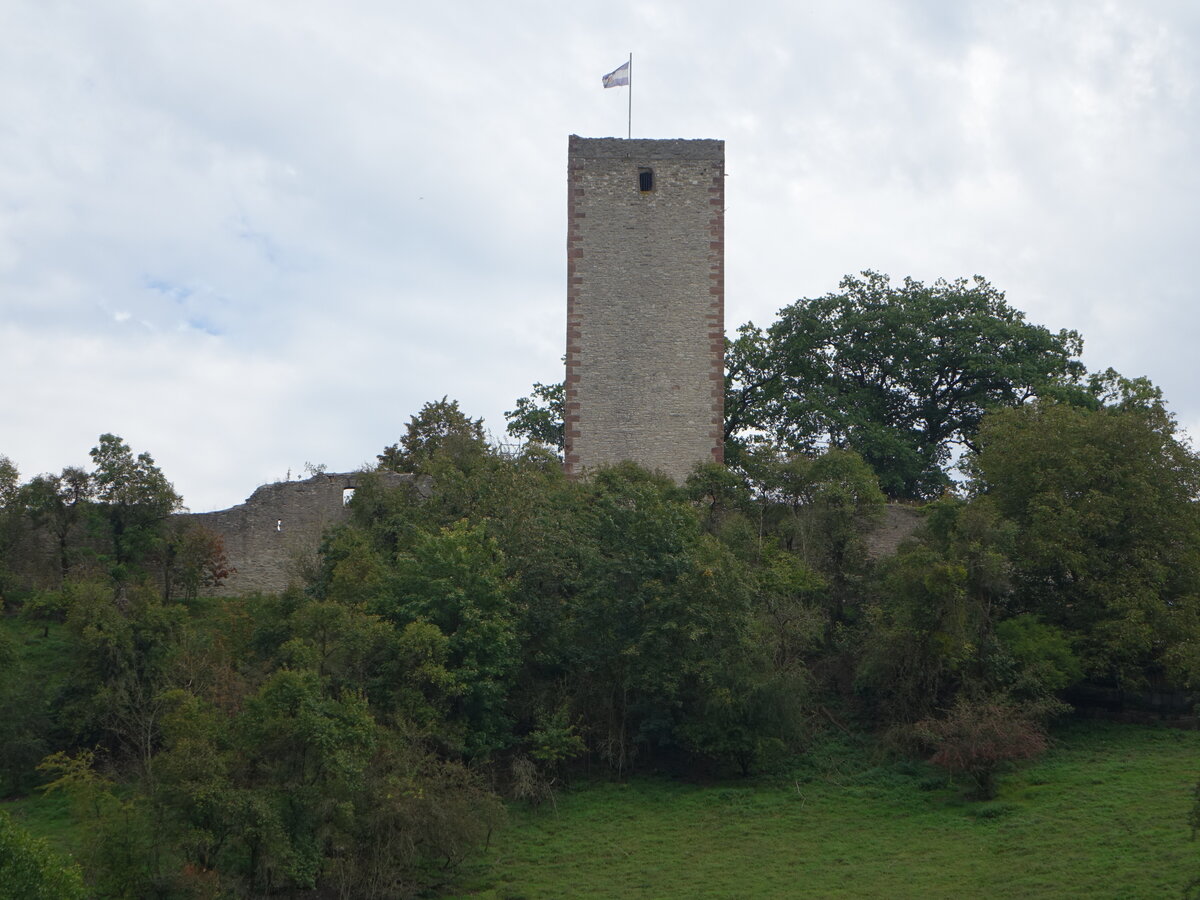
(1103, 814)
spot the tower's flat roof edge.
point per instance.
(645, 148)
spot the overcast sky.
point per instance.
(250, 235)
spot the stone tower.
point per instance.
(645, 303)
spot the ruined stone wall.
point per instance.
(270, 537)
(32, 557)
(645, 304)
(898, 523)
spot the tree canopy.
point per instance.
(132, 494)
(901, 374)
(1105, 501)
(440, 429)
(539, 417)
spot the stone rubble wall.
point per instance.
(898, 523)
(271, 537)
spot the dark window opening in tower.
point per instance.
(645, 180)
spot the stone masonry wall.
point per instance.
(645, 304)
(278, 529)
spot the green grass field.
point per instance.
(1104, 814)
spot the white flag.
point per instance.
(618, 77)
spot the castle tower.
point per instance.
(645, 303)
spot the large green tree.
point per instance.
(455, 580)
(10, 516)
(899, 373)
(1105, 505)
(440, 429)
(57, 503)
(134, 498)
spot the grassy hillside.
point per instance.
(1102, 815)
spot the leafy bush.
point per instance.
(30, 870)
(980, 736)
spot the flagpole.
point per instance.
(629, 125)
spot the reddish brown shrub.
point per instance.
(977, 737)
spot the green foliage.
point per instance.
(8, 656)
(197, 782)
(539, 417)
(554, 740)
(10, 480)
(751, 380)
(311, 751)
(455, 580)
(115, 519)
(23, 719)
(822, 506)
(117, 667)
(439, 429)
(31, 675)
(121, 479)
(10, 522)
(1110, 532)
(30, 870)
(134, 497)
(923, 635)
(659, 635)
(418, 819)
(724, 495)
(1113, 390)
(57, 503)
(418, 685)
(932, 625)
(301, 783)
(1044, 662)
(303, 736)
(899, 374)
(119, 850)
(791, 613)
(611, 600)
(304, 741)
